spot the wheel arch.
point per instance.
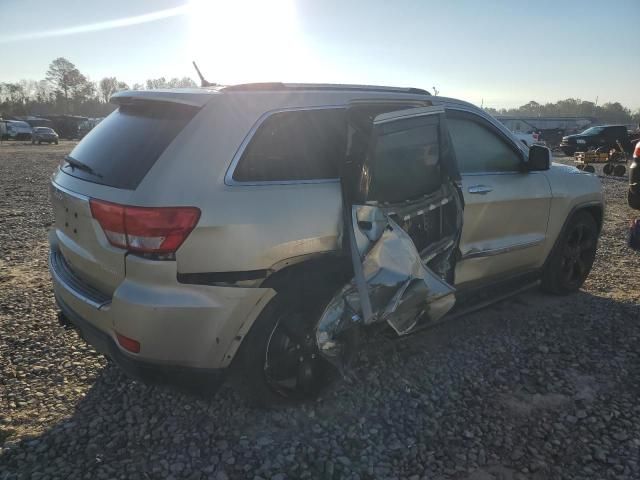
(595, 209)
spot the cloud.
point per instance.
(96, 27)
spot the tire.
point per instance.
(607, 169)
(39, 142)
(580, 166)
(590, 168)
(619, 170)
(56, 142)
(633, 199)
(572, 257)
(279, 362)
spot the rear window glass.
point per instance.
(124, 146)
(296, 145)
(405, 163)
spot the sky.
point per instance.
(500, 53)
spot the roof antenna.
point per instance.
(203, 81)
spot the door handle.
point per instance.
(480, 189)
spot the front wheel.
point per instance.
(633, 199)
(572, 258)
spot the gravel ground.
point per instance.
(534, 387)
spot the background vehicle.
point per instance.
(633, 196)
(17, 130)
(528, 138)
(65, 125)
(86, 126)
(44, 134)
(157, 275)
(602, 136)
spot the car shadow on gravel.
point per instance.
(532, 387)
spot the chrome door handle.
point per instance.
(480, 189)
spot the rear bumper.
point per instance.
(147, 372)
(178, 326)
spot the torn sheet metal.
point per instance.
(400, 287)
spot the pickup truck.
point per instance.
(605, 136)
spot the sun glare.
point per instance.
(245, 40)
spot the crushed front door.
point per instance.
(403, 219)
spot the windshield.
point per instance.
(43, 130)
(593, 131)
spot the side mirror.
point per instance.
(539, 159)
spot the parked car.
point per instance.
(44, 134)
(633, 196)
(265, 225)
(17, 130)
(602, 136)
(528, 138)
(87, 125)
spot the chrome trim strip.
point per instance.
(500, 251)
(228, 178)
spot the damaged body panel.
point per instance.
(403, 218)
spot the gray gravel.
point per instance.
(534, 387)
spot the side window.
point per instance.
(405, 163)
(478, 148)
(295, 145)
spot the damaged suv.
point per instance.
(265, 226)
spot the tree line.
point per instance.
(65, 90)
(610, 112)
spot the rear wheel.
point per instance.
(280, 361)
(607, 169)
(572, 258)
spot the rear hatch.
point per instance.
(108, 165)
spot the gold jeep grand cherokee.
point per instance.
(264, 226)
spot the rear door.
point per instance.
(506, 209)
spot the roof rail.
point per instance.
(279, 86)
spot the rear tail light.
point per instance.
(636, 152)
(145, 229)
(536, 136)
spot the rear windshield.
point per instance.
(122, 148)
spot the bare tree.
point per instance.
(107, 86)
(157, 83)
(184, 82)
(69, 83)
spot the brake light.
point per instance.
(636, 152)
(536, 136)
(145, 229)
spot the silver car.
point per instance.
(267, 226)
(44, 134)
